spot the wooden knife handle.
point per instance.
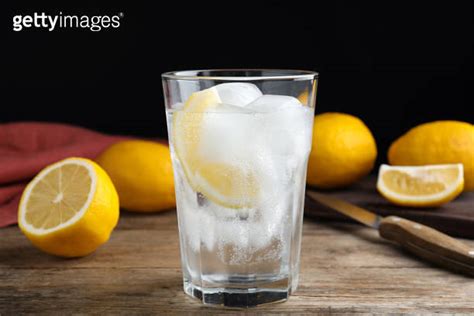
(429, 244)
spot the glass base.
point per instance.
(238, 297)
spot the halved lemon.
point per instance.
(222, 183)
(420, 186)
(70, 208)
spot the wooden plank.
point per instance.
(345, 268)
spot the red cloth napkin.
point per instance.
(28, 147)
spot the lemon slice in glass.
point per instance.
(221, 182)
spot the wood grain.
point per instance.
(345, 269)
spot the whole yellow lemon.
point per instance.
(142, 174)
(438, 142)
(343, 151)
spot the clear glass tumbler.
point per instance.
(240, 141)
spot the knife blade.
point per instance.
(359, 214)
(422, 241)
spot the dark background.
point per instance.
(392, 64)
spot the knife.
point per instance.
(422, 241)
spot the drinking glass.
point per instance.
(240, 141)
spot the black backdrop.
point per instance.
(392, 64)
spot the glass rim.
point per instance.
(274, 74)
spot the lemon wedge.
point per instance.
(420, 186)
(222, 183)
(70, 208)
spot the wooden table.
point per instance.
(345, 268)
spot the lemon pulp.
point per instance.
(58, 196)
(430, 185)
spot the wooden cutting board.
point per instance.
(455, 218)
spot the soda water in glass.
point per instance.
(240, 141)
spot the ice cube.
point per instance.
(226, 134)
(265, 138)
(286, 128)
(238, 93)
(271, 102)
